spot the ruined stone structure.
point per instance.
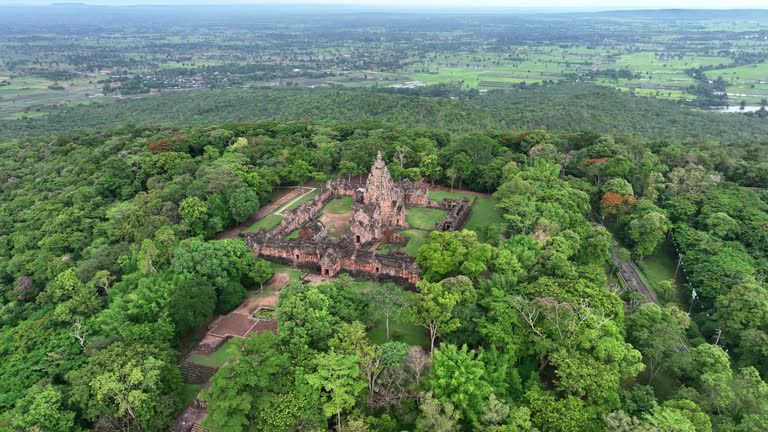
(379, 209)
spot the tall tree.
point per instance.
(339, 381)
(433, 310)
(387, 301)
(257, 373)
(457, 377)
(657, 333)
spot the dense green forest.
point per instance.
(108, 273)
(557, 107)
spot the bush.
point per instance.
(230, 297)
(192, 304)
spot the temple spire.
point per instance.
(379, 187)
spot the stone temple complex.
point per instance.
(378, 214)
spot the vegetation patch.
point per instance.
(402, 332)
(268, 222)
(264, 314)
(439, 195)
(424, 218)
(484, 213)
(188, 393)
(226, 352)
(307, 197)
(342, 205)
(417, 238)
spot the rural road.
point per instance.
(627, 269)
(629, 273)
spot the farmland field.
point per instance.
(657, 58)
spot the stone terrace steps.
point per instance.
(193, 373)
(197, 428)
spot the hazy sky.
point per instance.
(570, 4)
(591, 4)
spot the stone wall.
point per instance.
(458, 214)
(296, 218)
(332, 257)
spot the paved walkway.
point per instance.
(285, 207)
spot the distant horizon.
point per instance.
(422, 5)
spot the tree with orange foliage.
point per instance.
(614, 204)
(160, 146)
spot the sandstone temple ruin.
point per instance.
(378, 214)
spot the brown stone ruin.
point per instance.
(379, 209)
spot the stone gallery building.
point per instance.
(378, 213)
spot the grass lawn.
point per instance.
(340, 205)
(660, 267)
(267, 223)
(293, 235)
(423, 218)
(483, 214)
(441, 195)
(417, 240)
(402, 332)
(295, 274)
(188, 393)
(304, 199)
(362, 285)
(225, 353)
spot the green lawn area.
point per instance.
(417, 240)
(267, 223)
(188, 393)
(441, 195)
(340, 205)
(398, 331)
(483, 214)
(295, 274)
(293, 235)
(362, 285)
(403, 332)
(660, 267)
(225, 353)
(304, 199)
(423, 218)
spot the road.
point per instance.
(627, 270)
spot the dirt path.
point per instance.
(234, 232)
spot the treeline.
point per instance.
(560, 107)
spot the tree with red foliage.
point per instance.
(160, 146)
(614, 204)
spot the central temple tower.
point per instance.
(383, 205)
(380, 190)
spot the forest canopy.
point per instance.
(564, 107)
(110, 271)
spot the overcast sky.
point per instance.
(433, 4)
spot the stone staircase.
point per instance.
(197, 428)
(193, 373)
